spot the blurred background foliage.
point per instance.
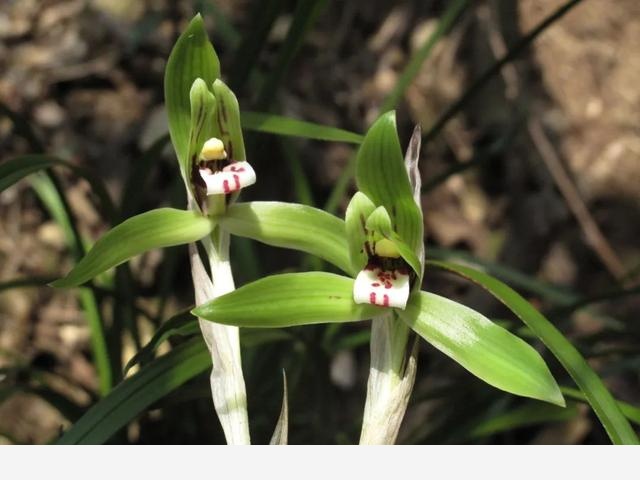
(530, 170)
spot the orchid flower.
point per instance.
(386, 276)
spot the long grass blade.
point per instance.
(50, 193)
(135, 394)
(17, 168)
(596, 392)
(279, 125)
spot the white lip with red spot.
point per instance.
(231, 178)
(385, 288)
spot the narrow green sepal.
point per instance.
(358, 210)
(228, 121)
(192, 57)
(379, 224)
(288, 300)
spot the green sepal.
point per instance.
(164, 227)
(192, 57)
(485, 349)
(379, 225)
(358, 210)
(289, 225)
(289, 300)
(228, 121)
(202, 125)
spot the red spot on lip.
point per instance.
(233, 168)
(376, 284)
(237, 180)
(372, 298)
(225, 186)
(385, 300)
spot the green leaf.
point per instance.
(288, 300)
(358, 211)
(488, 351)
(17, 168)
(138, 392)
(524, 416)
(50, 192)
(630, 411)
(600, 399)
(182, 324)
(382, 176)
(287, 225)
(279, 125)
(554, 293)
(163, 227)
(379, 222)
(228, 120)
(192, 57)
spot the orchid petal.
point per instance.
(385, 288)
(230, 179)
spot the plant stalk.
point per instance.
(391, 378)
(227, 381)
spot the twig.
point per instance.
(594, 236)
(511, 55)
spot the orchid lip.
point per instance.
(233, 177)
(385, 288)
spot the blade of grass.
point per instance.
(555, 294)
(596, 392)
(49, 191)
(138, 392)
(19, 167)
(630, 411)
(48, 188)
(524, 416)
(279, 125)
(26, 283)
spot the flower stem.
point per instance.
(227, 381)
(391, 378)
